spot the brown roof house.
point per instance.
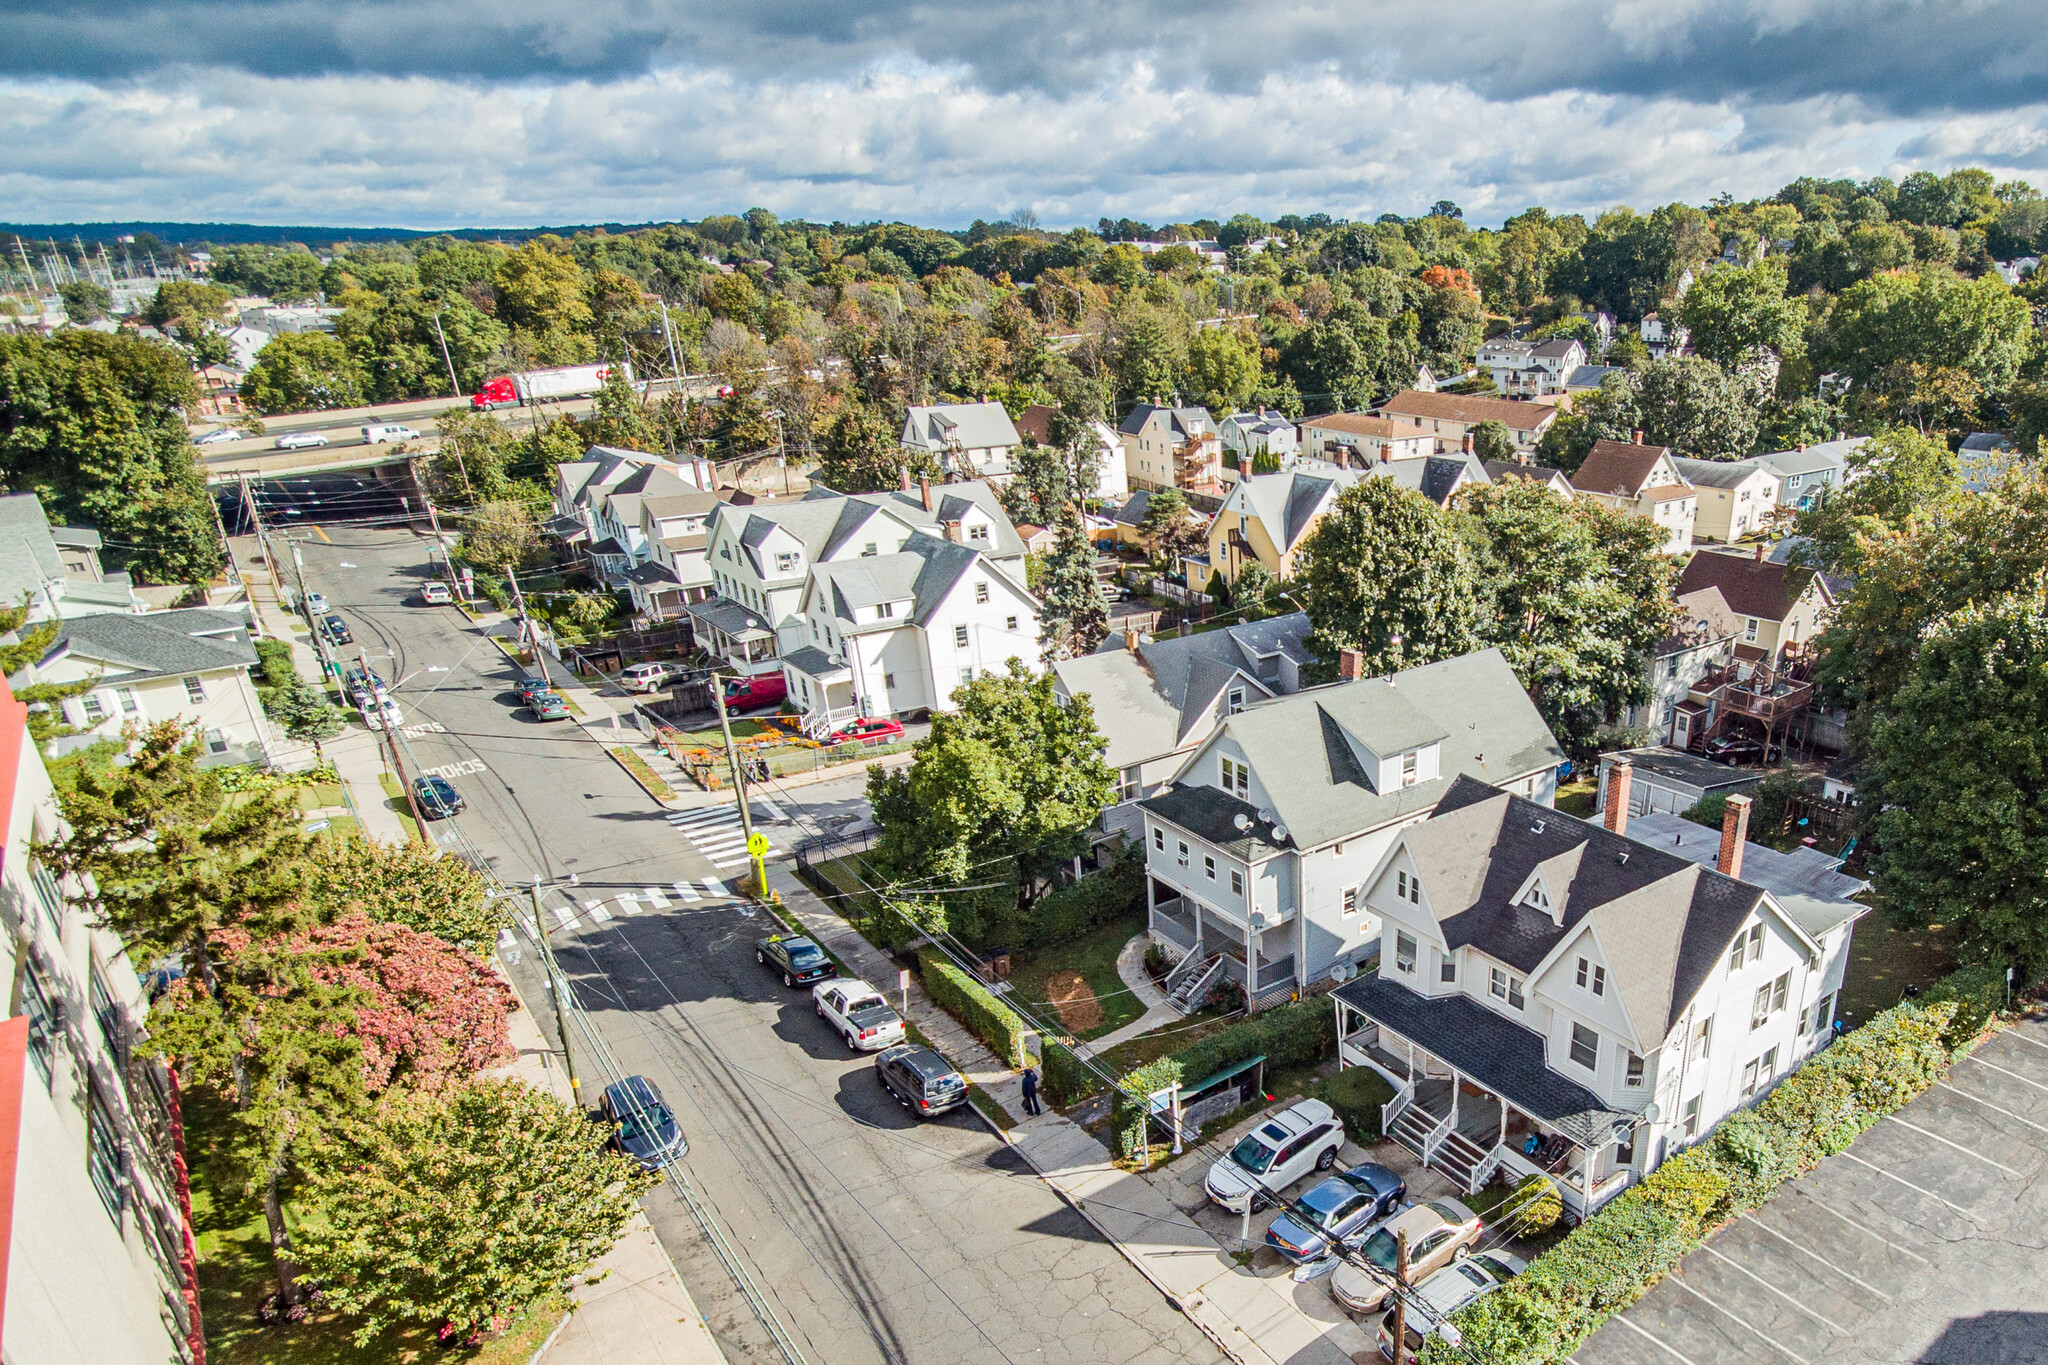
(1780, 605)
(1354, 440)
(1448, 416)
(1641, 481)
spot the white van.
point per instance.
(379, 435)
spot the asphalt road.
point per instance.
(879, 1239)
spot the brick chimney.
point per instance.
(1350, 664)
(952, 529)
(1759, 552)
(924, 490)
(1620, 778)
(1468, 441)
(905, 483)
(1639, 436)
(1734, 832)
(1244, 463)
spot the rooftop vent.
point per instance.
(1622, 857)
(1537, 828)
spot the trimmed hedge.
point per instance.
(961, 996)
(1609, 1261)
(1063, 1078)
(1070, 911)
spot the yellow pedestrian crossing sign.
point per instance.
(758, 845)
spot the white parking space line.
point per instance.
(1918, 1188)
(1653, 1338)
(597, 910)
(652, 895)
(1764, 1337)
(1916, 1128)
(2019, 1037)
(1809, 1251)
(683, 890)
(1869, 1231)
(1973, 1057)
(1817, 1317)
(1996, 1108)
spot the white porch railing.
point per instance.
(818, 724)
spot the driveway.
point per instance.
(1923, 1242)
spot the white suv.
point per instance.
(1272, 1156)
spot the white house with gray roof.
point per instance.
(762, 555)
(1807, 475)
(891, 634)
(1156, 699)
(1259, 852)
(1555, 997)
(54, 569)
(965, 438)
(190, 666)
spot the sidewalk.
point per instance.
(1255, 1320)
(631, 1307)
(1130, 969)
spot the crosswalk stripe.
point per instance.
(683, 890)
(727, 864)
(715, 887)
(505, 939)
(597, 910)
(565, 916)
(654, 897)
(774, 811)
(720, 843)
(717, 815)
(629, 904)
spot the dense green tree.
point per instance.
(862, 452)
(1934, 319)
(94, 424)
(1890, 479)
(1387, 573)
(1955, 783)
(1696, 407)
(542, 296)
(1170, 528)
(498, 534)
(284, 274)
(461, 1210)
(1611, 412)
(1576, 597)
(1736, 314)
(1223, 369)
(304, 372)
(1253, 592)
(1491, 440)
(304, 713)
(187, 311)
(84, 301)
(1011, 781)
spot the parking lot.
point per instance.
(1923, 1242)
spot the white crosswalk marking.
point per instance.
(653, 896)
(565, 916)
(718, 834)
(715, 887)
(683, 890)
(597, 910)
(629, 904)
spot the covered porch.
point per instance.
(1261, 961)
(1473, 1094)
(734, 633)
(823, 687)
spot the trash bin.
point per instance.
(999, 962)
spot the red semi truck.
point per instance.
(534, 386)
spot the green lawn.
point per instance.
(1093, 955)
(321, 795)
(399, 805)
(235, 1276)
(1576, 797)
(1148, 1047)
(1884, 960)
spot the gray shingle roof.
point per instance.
(924, 572)
(826, 522)
(1287, 503)
(158, 644)
(28, 553)
(1715, 473)
(1435, 476)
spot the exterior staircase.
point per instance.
(1413, 1128)
(1197, 977)
(1463, 1160)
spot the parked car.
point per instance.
(380, 711)
(859, 1013)
(1449, 1290)
(299, 440)
(1275, 1154)
(1740, 749)
(529, 688)
(362, 684)
(336, 630)
(435, 595)
(548, 706)
(646, 677)
(214, 438)
(1439, 1232)
(384, 432)
(867, 730)
(437, 797)
(1346, 1208)
(643, 1127)
(920, 1079)
(752, 694)
(798, 959)
(316, 603)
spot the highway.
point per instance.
(878, 1240)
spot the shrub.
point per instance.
(1977, 993)
(961, 996)
(1356, 1094)
(1708, 810)
(1099, 897)
(1692, 1188)
(1155, 959)
(1148, 1079)
(1294, 1035)
(1063, 1078)
(1534, 1206)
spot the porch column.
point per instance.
(1457, 1084)
(1251, 963)
(1589, 1180)
(1502, 1140)
(1343, 1031)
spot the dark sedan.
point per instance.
(437, 797)
(336, 630)
(798, 959)
(642, 1125)
(1342, 1208)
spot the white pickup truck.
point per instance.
(858, 1013)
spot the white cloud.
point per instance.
(901, 138)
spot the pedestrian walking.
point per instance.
(1031, 1090)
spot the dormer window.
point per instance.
(885, 610)
(868, 550)
(1236, 700)
(1237, 778)
(977, 533)
(1536, 899)
(1408, 762)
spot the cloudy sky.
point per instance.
(427, 113)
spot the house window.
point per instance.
(1159, 840)
(1408, 770)
(1823, 1014)
(49, 894)
(1779, 989)
(1447, 969)
(977, 533)
(1634, 1077)
(1585, 1048)
(967, 674)
(131, 705)
(980, 593)
(195, 690)
(1599, 981)
(103, 1157)
(1703, 1038)
(1237, 778)
(785, 563)
(1749, 629)
(1536, 899)
(1350, 901)
(1404, 952)
(1236, 882)
(1236, 700)
(959, 637)
(1749, 1071)
(90, 704)
(1692, 1117)
(1756, 942)
(885, 611)
(216, 741)
(1009, 623)
(867, 550)
(1209, 866)
(1769, 999)
(1183, 855)
(112, 1023)
(1592, 978)
(42, 1020)
(1505, 987)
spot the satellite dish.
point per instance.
(1265, 815)
(1279, 831)
(1241, 821)
(1652, 1112)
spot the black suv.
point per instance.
(798, 959)
(920, 1079)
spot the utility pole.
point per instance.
(526, 627)
(1401, 1297)
(454, 386)
(739, 780)
(558, 986)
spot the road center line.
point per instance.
(1818, 1317)
(1911, 1186)
(1808, 1251)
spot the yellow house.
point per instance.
(1267, 517)
(1736, 498)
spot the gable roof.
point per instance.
(1729, 474)
(28, 552)
(1814, 458)
(1361, 424)
(1663, 921)
(973, 426)
(826, 522)
(1436, 477)
(1558, 347)
(924, 572)
(1499, 471)
(1751, 587)
(1300, 745)
(1589, 376)
(132, 648)
(1036, 423)
(1287, 504)
(1454, 407)
(1182, 422)
(1617, 467)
